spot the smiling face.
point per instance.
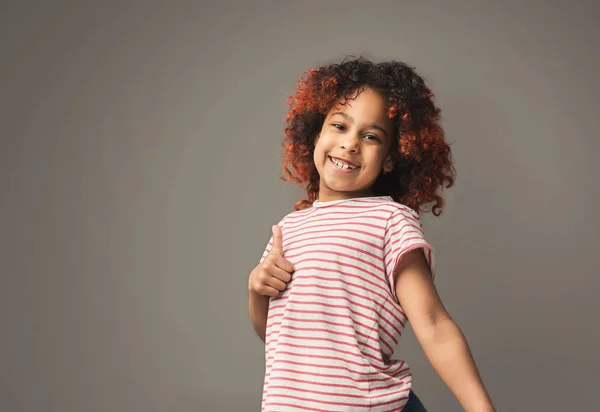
(353, 147)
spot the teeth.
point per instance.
(342, 166)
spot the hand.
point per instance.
(272, 275)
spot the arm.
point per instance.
(267, 279)
(258, 307)
(440, 337)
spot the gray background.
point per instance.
(139, 165)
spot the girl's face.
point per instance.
(360, 133)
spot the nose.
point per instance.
(350, 142)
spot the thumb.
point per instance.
(277, 240)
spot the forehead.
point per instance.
(366, 104)
(367, 108)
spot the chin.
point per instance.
(345, 188)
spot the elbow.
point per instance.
(432, 327)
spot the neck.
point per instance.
(327, 195)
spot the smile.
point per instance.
(342, 166)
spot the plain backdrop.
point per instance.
(139, 179)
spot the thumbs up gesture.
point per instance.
(272, 275)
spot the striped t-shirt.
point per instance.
(331, 333)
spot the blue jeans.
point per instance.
(413, 404)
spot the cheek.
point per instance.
(319, 153)
(375, 160)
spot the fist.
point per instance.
(271, 276)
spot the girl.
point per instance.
(344, 272)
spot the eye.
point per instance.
(341, 127)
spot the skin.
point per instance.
(440, 337)
(358, 131)
(364, 137)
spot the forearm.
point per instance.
(446, 348)
(258, 308)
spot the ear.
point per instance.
(389, 164)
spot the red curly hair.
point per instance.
(423, 157)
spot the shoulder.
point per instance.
(294, 216)
(398, 211)
(403, 221)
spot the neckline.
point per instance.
(318, 203)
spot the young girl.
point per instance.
(347, 269)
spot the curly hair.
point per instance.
(423, 160)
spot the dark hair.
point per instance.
(423, 157)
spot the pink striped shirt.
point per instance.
(331, 333)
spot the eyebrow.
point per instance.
(372, 125)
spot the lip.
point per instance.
(345, 160)
(337, 169)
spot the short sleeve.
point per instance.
(270, 242)
(403, 233)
